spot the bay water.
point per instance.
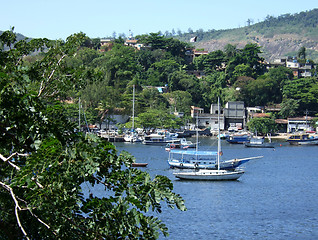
(276, 198)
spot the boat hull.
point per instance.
(303, 142)
(210, 175)
(264, 145)
(238, 140)
(139, 164)
(226, 165)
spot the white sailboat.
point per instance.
(212, 175)
(132, 136)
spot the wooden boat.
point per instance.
(139, 164)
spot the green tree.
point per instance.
(260, 92)
(44, 163)
(181, 80)
(179, 101)
(262, 126)
(154, 118)
(289, 107)
(305, 90)
(151, 98)
(302, 53)
(210, 62)
(242, 70)
(159, 72)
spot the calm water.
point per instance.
(276, 198)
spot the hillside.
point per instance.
(281, 36)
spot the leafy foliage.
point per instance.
(44, 162)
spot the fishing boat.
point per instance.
(139, 164)
(211, 174)
(302, 139)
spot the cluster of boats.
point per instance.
(194, 164)
(206, 165)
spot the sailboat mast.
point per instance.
(219, 139)
(133, 113)
(197, 134)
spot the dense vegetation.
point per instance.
(45, 163)
(105, 79)
(232, 74)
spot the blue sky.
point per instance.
(101, 18)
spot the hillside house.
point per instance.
(299, 69)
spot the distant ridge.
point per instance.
(278, 36)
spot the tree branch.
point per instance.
(17, 207)
(42, 86)
(11, 156)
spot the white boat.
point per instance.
(132, 137)
(211, 175)
(186, 143)
(162, 137)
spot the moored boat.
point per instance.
(238, 138)
(210, 175)
(259, 142)
(196, 159)
(302, 139)
(171, 146)
(160, 138)
(139, 164)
